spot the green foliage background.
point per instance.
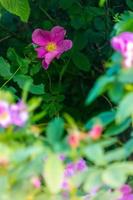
(65, 85)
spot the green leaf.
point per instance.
(125, 108)
(18, 61)
(97, 150)
(107, 195)
(104, 119)
(79, 178)
(125, 23)
(81, 61)
(130, 4)
(5, 68)
(53, 173)
(80, 41)
(126, 76)
(116, 88)
(114, 177)
(37, 89)
(93, 179)
(55, 130)
(20, 8)
(129, 147)
(100, 87)
(115, 155)
(23, 79)
(65, 4)
(102, 2)
(115, 129)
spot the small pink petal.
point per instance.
(58, 33)
(126, 189)
(36, 182)
(40, 52)
(48, 59)
(127, 36)
(120, 42)
(40, 37)
(65, 45)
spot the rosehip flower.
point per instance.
(36, 182)
(5, 119)
(123, 43)
(51, 44)
(19, 114)
(96, 132)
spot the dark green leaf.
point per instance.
(5, 68)
(81, 61)
(100, 87)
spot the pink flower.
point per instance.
(74, 140)
(127, 192)
(51, 44)
(126, 189)
(5, 119)
(71, 170)
(36, 182)
(19, 114)
(123, 43)
(96, 132)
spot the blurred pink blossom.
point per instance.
(19, 113)
(127, 192)
(123, 43)
(71, 170)
(36, 182)
(5, 118)
(51, 44)
(96, 132)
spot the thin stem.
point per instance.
(10, 78)
(5, 38)
(50, 83)
(66, 65)
(46, 13)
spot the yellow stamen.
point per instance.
(51, 46)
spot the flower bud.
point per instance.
(96, 132)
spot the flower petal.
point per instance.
(40, 52)
(126, 189)
(63, 46)
(48, 59)
(119, 43)
(58, 33)
(40, 37)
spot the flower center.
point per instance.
(51, 46)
